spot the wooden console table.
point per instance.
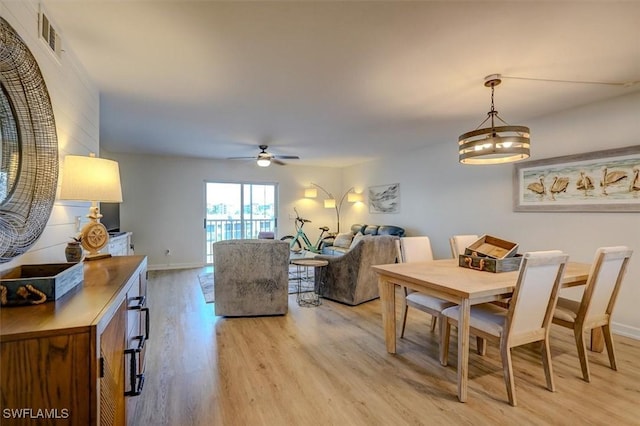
(79, 359)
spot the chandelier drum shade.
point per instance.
(495, 144)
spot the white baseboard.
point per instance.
(625, 330)
(164, 267)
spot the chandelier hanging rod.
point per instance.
(495, 144)
(553, 80)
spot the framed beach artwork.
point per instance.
(384, 198)
(602, 181)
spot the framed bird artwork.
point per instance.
(601, 181)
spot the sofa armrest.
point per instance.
(328, 257)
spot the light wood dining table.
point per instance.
(465, 287)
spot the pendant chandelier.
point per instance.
(494, 145)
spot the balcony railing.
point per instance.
(234, 229)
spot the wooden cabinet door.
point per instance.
(112, 381)
(45, 381)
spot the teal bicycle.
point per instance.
(300, 240)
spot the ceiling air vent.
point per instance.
(50, 35)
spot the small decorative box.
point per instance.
(31, 284)
(491, 254)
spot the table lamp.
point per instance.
(91, 179)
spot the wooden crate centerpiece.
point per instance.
(32, 284)
(491, 254)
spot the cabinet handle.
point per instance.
(136, 380)
(141, 341)
(140, 378)
(132, 371)
(136, 385)
(146, 322)
(141, 302)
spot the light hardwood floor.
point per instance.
(328, 365)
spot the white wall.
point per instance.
(75, 101)
(164, 197)
(440, 197)
(164, 201)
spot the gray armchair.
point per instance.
(251, 277)
(349, 278)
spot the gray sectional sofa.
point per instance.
(251, 277)
(349, 278)
(342, 243)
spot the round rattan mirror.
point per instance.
(28, 147)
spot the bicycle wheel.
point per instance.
(294, 243)
(326, 241)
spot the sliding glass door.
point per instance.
(238, 211)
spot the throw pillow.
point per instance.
(359, 236)
(343, 240)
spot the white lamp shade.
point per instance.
(90, 179)
(264, 162)
(310, 193)
(329, 203)
(354, 197)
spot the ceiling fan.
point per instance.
(264, 158)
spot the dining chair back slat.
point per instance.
(527, 320)
(605, 277)
(416, 249)
(459, 243)
(536, 291)
(596, 306)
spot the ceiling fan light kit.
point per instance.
(264, 158)
(495, 144)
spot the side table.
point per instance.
(306, 294)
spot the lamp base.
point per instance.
(97, 256)
(94, 237)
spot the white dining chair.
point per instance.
(595, 308)
(527, 320)
(459, 243)
(418, 249)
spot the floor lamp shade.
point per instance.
(90, 179)
(330, 203)
(354, 197)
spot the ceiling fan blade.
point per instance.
(264, 155)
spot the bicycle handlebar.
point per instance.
(302, 221)
(298, 218)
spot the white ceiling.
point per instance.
(337, 82)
